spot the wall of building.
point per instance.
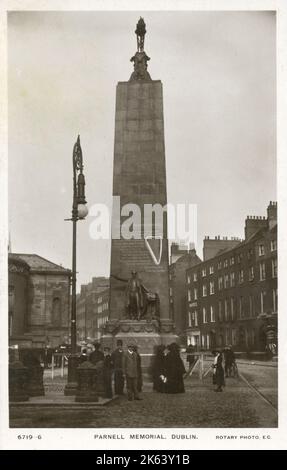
(232, 298)
(177, 289)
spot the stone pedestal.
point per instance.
(86, 390)
(143, 334)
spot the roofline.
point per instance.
(39, 256)
(228, 250)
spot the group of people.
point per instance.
(219, 373)
(168, 370)
(124, 366)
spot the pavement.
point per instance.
(249, 403)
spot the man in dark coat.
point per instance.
(139, 365)
(97, 355)
(229, 359)
(130, 368)
(117, 358)
(107, 373)
(174, 370)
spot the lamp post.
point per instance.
(79, 212)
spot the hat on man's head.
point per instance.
(119, 342)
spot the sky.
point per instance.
(218, 71)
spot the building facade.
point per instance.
(183, 260)
(92, 309)
(232, 297)
(39, 301)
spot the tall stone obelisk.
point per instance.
(139, 178)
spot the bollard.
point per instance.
(18, 381)
(86, 391)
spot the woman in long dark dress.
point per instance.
(175, 370)
(218, 371)
(158, 369)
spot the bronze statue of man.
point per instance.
(134, 297)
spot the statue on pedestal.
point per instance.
(140, 302)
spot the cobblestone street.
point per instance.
(238, 406)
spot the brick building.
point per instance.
(182, 258)
(38, 301)
(92, 308)
(232, 296)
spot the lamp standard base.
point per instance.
(72, 384)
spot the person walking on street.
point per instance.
(117, 359)
(229, 359)
(130, 368)
(107, 373)
(218, 372)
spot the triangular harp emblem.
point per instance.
(148, 239)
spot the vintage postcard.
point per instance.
(143, 197)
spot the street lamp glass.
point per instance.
(82, 211)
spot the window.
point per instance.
(232, 308)
(226, 309)
(250, 253)
(211, 269)
(251, 306)
(262, 301)
(219, 265)
(220, 283)
(225, 264)
(188, 279)
(226, 281)
(56, 311)
(195, 318)
(195, 294)
(189, 295)
(261, 250)
(170, 291)
(204, 316)
(241, 312)
(211, 287)
(251, 273)
(202, 341)
(262, 271)
(273, 245)
(100, 300)
(274, 267)
(220, 318)
(189, 319)
(212, 316)
(275, 300)
(195, 276)
(232, 279)
(203, 272)
(239, 258)
(240, 276)
(232, 261)
(204, 290)
(233, 337)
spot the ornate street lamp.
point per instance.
(79, 212)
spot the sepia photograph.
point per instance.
(141, 251)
